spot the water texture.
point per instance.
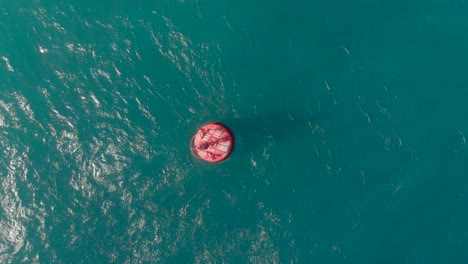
(350, 120)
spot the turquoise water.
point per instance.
(350, 120)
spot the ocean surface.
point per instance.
(350, 118)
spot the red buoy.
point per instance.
(213, 143)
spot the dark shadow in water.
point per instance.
(254, 132)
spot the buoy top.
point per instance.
(213, 143)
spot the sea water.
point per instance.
(350, 120)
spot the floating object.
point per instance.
(213, 143)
